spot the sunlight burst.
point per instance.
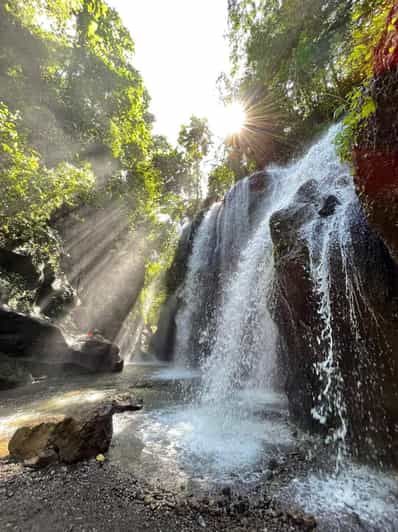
(229, 120)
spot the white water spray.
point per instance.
(194, 288)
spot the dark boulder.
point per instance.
(96, 354)
(20, 264)
(329, 206)
(43, 344)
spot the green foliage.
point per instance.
(66, 73)
(75, 132)
(221, 179)
(292, 48)
(308, 58)
(65, 65)
(361, 107)
(31, 193)
(195, 140)
(368, 22)
(154, 293)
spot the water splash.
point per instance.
(330, 401)
(357, 499)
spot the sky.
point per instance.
(180, 51)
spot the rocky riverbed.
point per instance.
(94, 496)
(177, 465)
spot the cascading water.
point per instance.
(242, 354)
(330, 399)
(244, 347)
(216, 248)
(233, 225)
(195, 288)
(245, 335)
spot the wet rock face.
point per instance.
(376, 162)
(295, 308)
(363, 296)
(376, 153)
(41, 345)
(162, 342)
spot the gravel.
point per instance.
(93, 496)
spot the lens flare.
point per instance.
(229, 120)
(235, 117)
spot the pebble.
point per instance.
(168, 509)
(273, 464)
(226, 491)
(268, 474)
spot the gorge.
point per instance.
(199, 332)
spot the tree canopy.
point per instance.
(303, 59)
(74, 117)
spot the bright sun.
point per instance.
(229, 120)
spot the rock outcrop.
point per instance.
(376, 153)
(69, 439)
(20, 264)
(41, 345)
(162, 342)
(336, 303)
(27, 285)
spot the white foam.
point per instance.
(369, 495)
(176, 373)
(203, 441)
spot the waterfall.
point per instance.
(216, 248)
(233, 225)
(194, 289)
(244, 347)
(232, 315)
